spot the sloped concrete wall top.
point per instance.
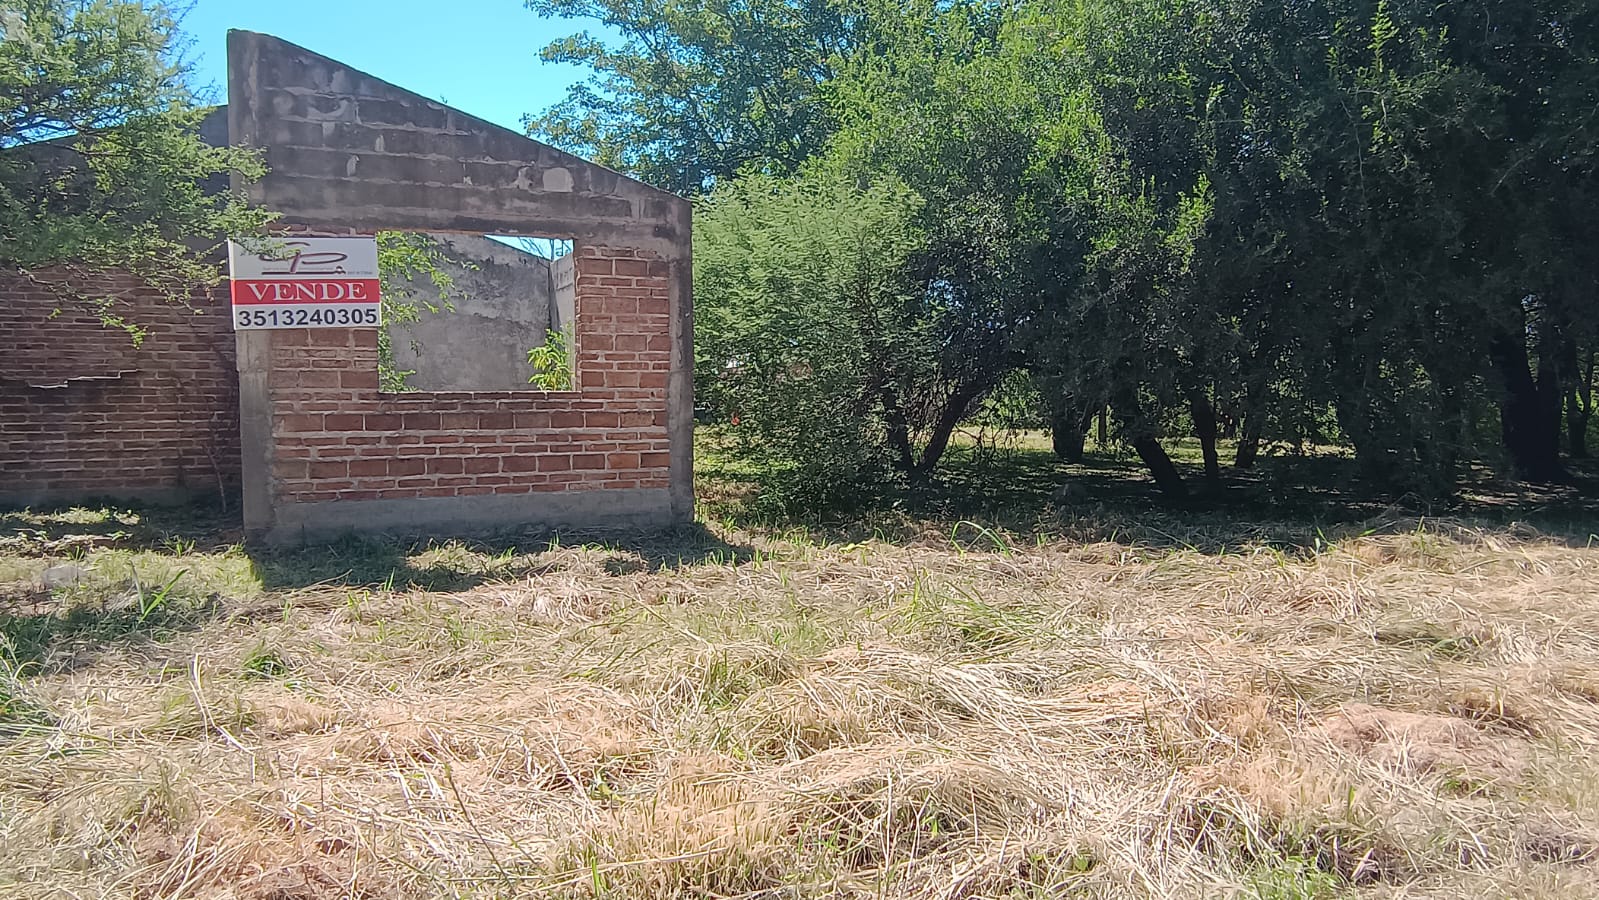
(351, 151)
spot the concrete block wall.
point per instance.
(85, 413)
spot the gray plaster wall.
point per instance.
(500, 304)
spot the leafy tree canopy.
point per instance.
(102, 165)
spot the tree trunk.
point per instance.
(1068, 428)
(1102, 438)
(1229, 426)
(1577, 420)
(1251, 427)
(899, 432)
(1529, 414)
(1068, 434)
(1149, 450)
(1579, 406)
(954, 411)
(1160, 467)
(1204, 416)
(1248, 443)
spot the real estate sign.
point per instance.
(304, 282)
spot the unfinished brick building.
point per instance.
(303, 428)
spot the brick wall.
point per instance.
(86, 413)
(334, 437)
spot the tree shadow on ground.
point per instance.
(62, 630)
(455, 564)
(1290, 503)
(71, 530)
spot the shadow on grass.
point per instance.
(71, 530)
(61, 632)
(1290, 503)
(459, 564)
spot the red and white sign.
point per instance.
(305, 282)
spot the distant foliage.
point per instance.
(695, 91)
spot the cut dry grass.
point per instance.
(965, 713)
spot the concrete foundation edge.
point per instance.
(629, 509)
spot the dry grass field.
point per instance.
(943, 709)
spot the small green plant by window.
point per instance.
(552, 362)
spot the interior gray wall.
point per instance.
(501, 305)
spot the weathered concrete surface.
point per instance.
(501, 303)
(563, 276)
(355, 152)
(436, 516)
(350, 153)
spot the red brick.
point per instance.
(496, 421)
(365, 380)
(481, 464)
(554, 462)
(421, 421)
(384, 422)
(314, 378)
(343, 422)
(364, 467)
(521, 463)
(566, 419)
(153, 428)
(402, 467)
(326, 470)
(329, 337)
(532, 421)
(636, 419)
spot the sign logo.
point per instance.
(305, 282)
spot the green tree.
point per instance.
(102, 165)
(698, 90)
(1365, 222)
(810, 332)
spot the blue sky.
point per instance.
(480, 56)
